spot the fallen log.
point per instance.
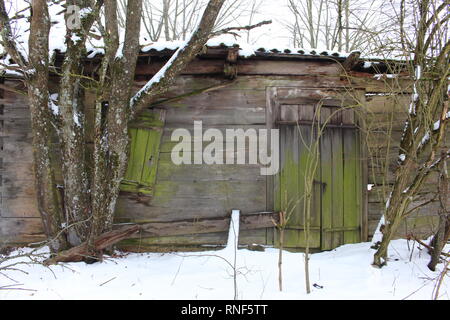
(81, 252)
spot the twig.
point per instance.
(428, 247)
(107, 281)
(246, 28)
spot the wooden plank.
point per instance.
(326, 170)
(20, 230)
(131, 173)
(251, 67)
(398, 103)
(17, 188)
(15, 127)
(291, 185)
(211, 117)
(267, 67)
(337, 186)
(212, 189)
(199, 226)
(327, 97)
(171, 243)
(132, 207)
(228, 97)
(201, 172)
(15, 150)
(19, 207)
(17, 171)
(306, 112)
(351, 214)
(167, 144)
(289, 112)
(151, 157)
(272, 181)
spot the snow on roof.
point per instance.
(245, 49)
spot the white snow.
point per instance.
(380, 76)
(344, 273)
(75, 38)
(76, 119)
(424, 140)
(52, 104)
(436, 125)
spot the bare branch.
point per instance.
(7, 39)
(246, 28)
(166, 76)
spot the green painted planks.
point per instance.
(337, 186)
(295, 155)
(351, 193)
(288, 186)
(151, 158)
(142, 164)
(326, 170)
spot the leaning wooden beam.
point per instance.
(81, 252)
(187, 227)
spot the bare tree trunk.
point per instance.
(165, 16)
(41, 125)
(443, 232)
(77, 204)
(423, 135)
(339, 27)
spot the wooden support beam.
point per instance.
(231, 68)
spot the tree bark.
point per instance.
(77, 204)
(443, 232)
(47, 197)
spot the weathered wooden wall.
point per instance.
(19, 218)
(386, 115)
(209, 191)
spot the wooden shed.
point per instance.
(188, 206)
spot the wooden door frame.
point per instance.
(273, 103)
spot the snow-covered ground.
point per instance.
(344, 273)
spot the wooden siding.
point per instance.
(190, 192)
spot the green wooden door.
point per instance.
(342, 193)
(145, 135)
(336, 192)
